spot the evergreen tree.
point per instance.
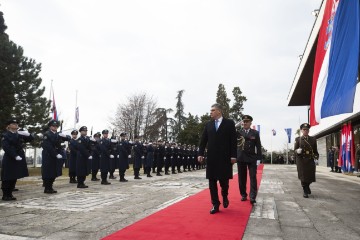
(223, 100)
(190, 134)
(20, 93)
(236, 111)
(179, 114)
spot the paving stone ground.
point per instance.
(331, 212)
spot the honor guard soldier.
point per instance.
(113, 161)
(306, 158)
(167, 157)
(106, 154)
(13, 165)
(184, 157)
(248, 154)
(149, 158)
(83, 157)
(95, 150)
(173, 158)
(160, 157)
(123, 155)
(179, 158)
(73, 156)
(51, 156)
(138, 157)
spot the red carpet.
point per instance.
(190, 219)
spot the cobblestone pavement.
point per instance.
(331, 212)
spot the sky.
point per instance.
(108, 50)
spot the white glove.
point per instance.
(171, 157)
(24, 133)
(111, 156)
(178, 157)
(118, 156)
(18, 158)
(298, 151)
(142, 157)
(59, 156)
(188, 157)
(62, 135)
(114, 141)
(90, 157)
(40, 135)
(316, 162)
(164, 158)
(129, 156)
(92, 139)
(130, 142)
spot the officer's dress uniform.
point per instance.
(82, 160)
(179, 159)
(248, 152)
(138, 156)
(160, 159)
(114, 162)
(306, 166)
(50, 168)
(167, 159)
(12, 169)
(173, 159)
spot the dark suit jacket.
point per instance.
(221, 145)
(251, 149)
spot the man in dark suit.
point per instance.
(249, 152)
(219, 136)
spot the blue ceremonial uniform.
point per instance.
(72, 160)
(82, 160)
(138, 155)
(149, 158)
(123, 161)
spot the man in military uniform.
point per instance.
(173, 157)
(123, 155)
(13, 163)
(138, 157)
(95, 150)
(83, 155)
(73, 156)
(106, 154)
(51, 156)
(306, 157)
(248, 153)
(167, 158)
(160, 157)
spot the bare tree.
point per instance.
(135, 116)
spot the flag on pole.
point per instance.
(274, 132)
(54, 111)
(288, 132)
(347, 153)
(337, 61)
(77, 115)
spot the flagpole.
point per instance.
(76, 96)
(271, 148)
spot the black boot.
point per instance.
(305, 195)
(105, 182)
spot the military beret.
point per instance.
(11, 121)
(98, 134)
(247, 118)
(83, 128)
(74, 132)
(305, 125)
(122, 134)
(53, 123)
(105, 131)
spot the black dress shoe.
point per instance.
(137, 178)
(215, 209)
(167, 173)
(105, 182)
(252, 200)
(50, 191)
(243, 199)
(148, 175)
(8, 198)
(123, 180)
(158, 174)
(82, 186)
(305, 195)
(15, 190)
(225, 202)
(95, 179)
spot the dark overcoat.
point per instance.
(122, 153)
(73, 156)
(105, 152)
(95, 151)
(305, 161)
(51, 146)
(138, 153)
(221, 147)
(83, 154)
(11, 169)
(149, 156)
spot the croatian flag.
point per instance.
(337, 61)
(256, 127)
(55, 115)
(347, 153)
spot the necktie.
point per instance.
(216, 124)
(246, 131)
